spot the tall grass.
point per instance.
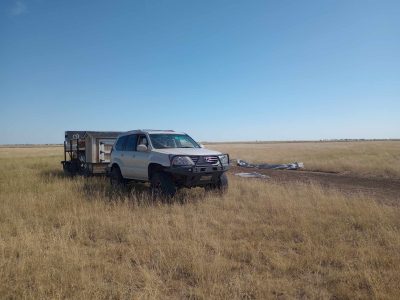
(372, 159)
(74, 238)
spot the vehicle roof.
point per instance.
(80, 134)
(153, 131)
(104, 134)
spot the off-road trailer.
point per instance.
(87, 152)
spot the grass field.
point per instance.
(371, 159)
(74, 238)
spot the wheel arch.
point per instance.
(153, 168)
(115, 165)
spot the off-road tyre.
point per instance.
(67, 168)
(162, 186)
(86, 172)
(221, 185)
(116, 179)
(71, 168)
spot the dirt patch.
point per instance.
(383, 189)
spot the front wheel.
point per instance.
(162, 185)
(221, 185)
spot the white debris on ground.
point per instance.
(252, 175)
(289, 166)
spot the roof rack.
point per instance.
(168, 130)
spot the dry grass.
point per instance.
(73, 238)
(377, 159)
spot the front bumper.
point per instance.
(197, 175)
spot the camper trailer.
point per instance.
(87, 152)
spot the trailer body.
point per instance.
(88, 152)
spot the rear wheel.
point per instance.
(162, 185)
(116, 178)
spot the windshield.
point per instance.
(163, 141)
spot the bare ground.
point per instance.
(386, 190)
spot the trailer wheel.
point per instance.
(162, 185)
(86, 171)
(67, 168)
(71, 168)
(116, 178)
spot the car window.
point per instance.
(120, 145)
(142, 140)
(184, 143)
(131, 143)
(163, 141)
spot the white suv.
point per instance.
(168, 160)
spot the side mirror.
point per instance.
(142, 148)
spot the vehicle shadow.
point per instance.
(52, 174)
(136, 193)
(98, 187)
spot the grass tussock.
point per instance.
(369, 159)
(74, 238)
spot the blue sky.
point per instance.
(219, 70)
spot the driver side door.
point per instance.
(141, 159)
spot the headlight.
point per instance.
(182, 161)
(224, 159)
